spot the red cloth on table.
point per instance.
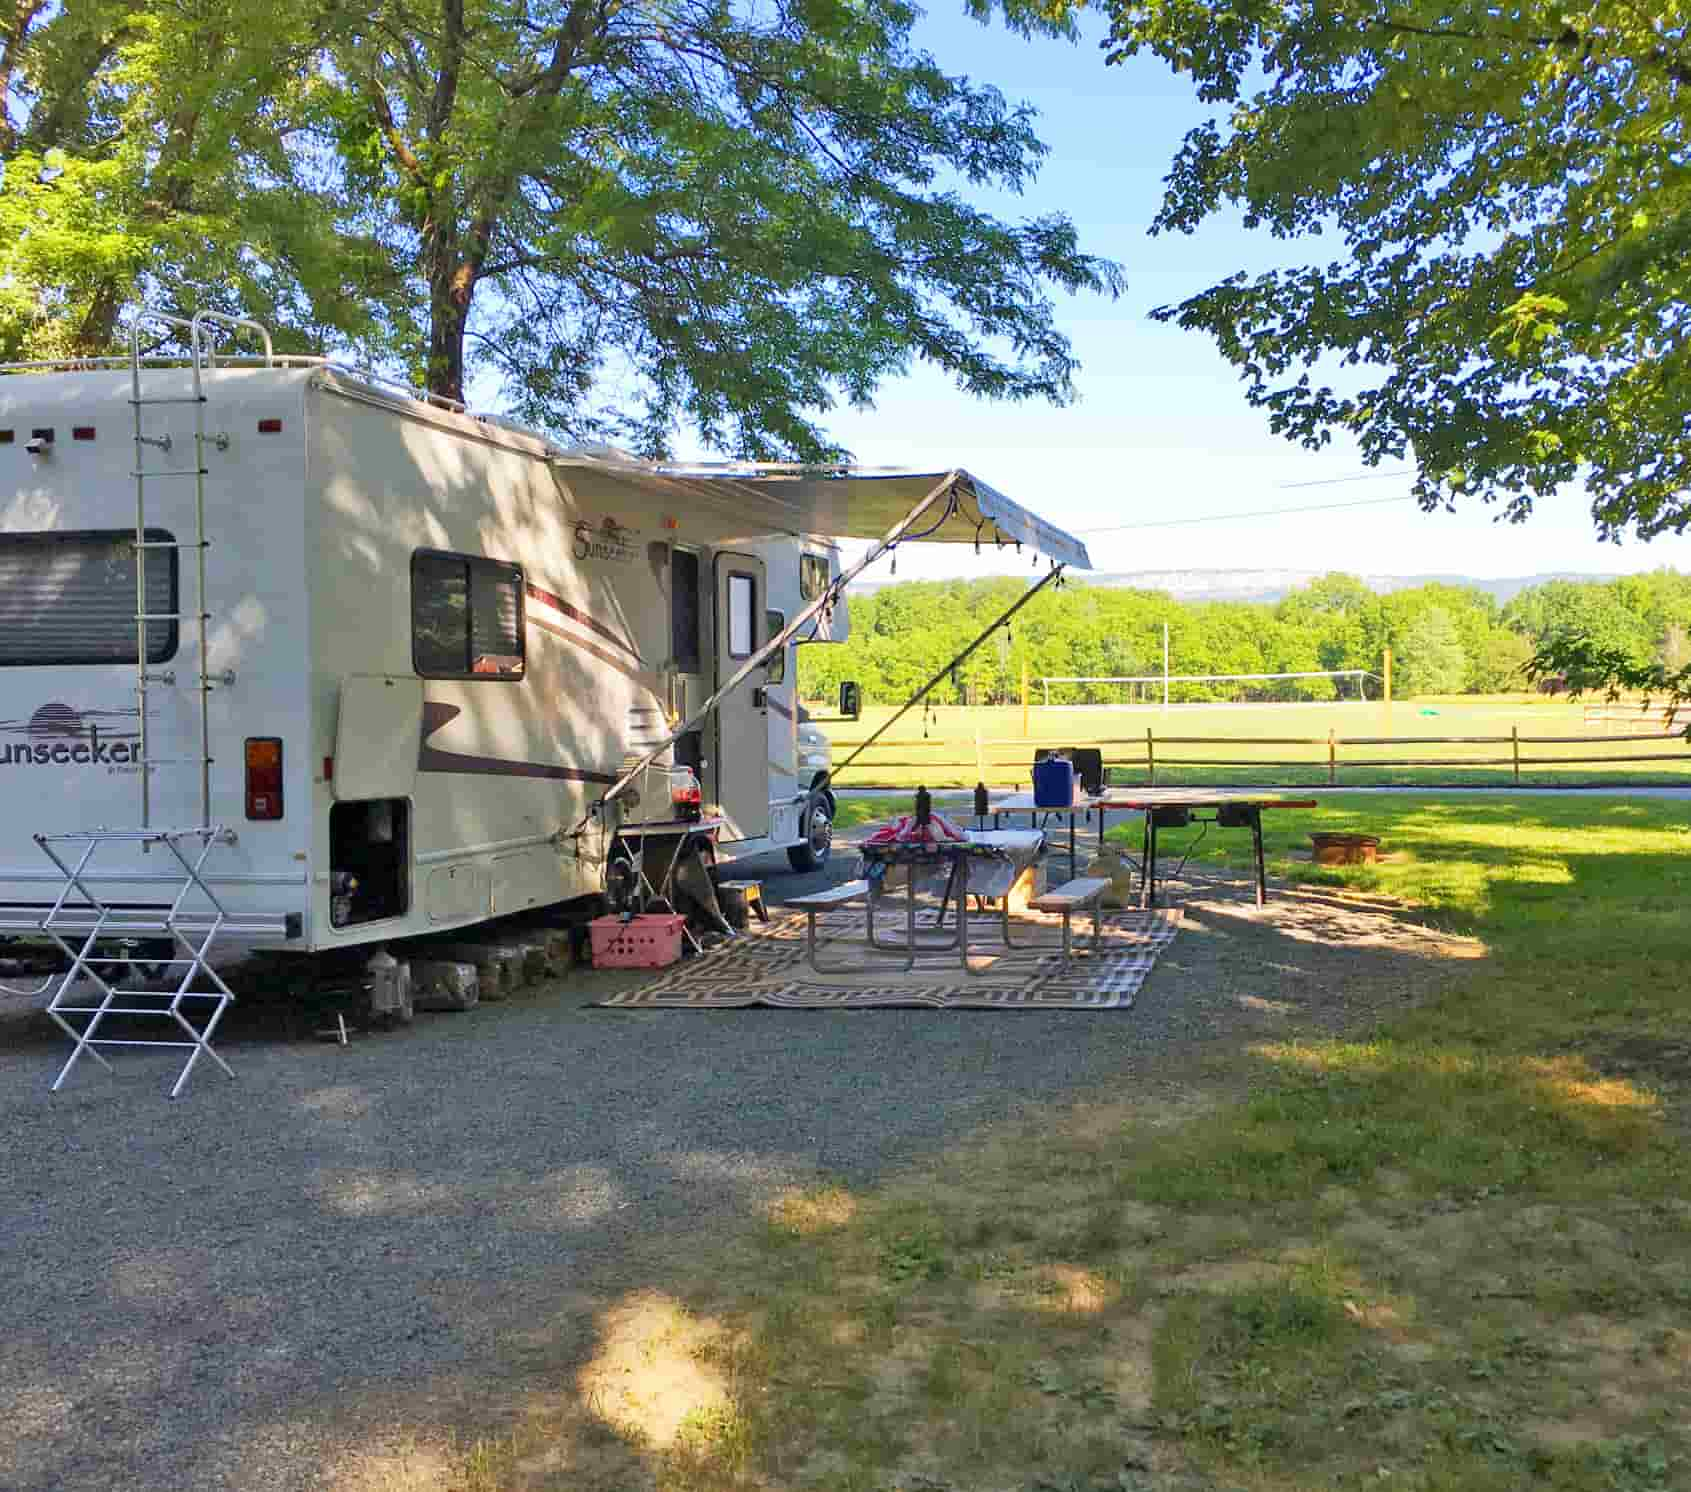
(905, 830)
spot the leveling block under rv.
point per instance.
(389, 669)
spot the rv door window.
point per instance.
(466, 617)
(684, 610)
(777, 669)
(69, 597)
(742, 615)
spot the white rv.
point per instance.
(401, 660)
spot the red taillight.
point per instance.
(264, 777)
(269, 427)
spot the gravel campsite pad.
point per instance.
(276, 1280)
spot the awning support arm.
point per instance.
(922, 693)
(829, 596)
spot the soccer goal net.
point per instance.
(1208, 688)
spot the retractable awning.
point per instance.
(886, 508)
(745, 502)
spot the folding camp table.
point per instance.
(1161, 807)
(1039, 818)
(1174, 807)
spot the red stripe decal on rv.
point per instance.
(604, 655)
(575, 614)
(432, 759)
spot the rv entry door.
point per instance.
(740, 763)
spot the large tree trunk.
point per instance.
(451, 289)
(94, 337)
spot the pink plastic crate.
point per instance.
(649, 941)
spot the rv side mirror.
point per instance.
(851, 700)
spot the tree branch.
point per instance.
(1567, 39)
(24, 15)
(383, 111)
(451, 65)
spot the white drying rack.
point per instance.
(81, 922)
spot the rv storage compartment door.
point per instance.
(740, 765)
(376, 737)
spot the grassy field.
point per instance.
(940, 749)
(1449, 1250)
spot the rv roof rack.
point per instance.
(278, 360)
(775, 468)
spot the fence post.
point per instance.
(1332, 758)
(1515, 740)
(1150, 757)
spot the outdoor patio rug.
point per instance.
(767, 966)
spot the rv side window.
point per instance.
(684, 610)
(466, 617)
(813, 575)
(742, 615)
(776, 673)
(69, 597)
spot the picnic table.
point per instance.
(984, 864)
(992, 858)
(1163, 808)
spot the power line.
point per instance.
(1365, 502)
(1361, 476)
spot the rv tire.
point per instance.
(811, 853)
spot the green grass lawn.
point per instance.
(1242, 745)
(1449, 1250)
(854, 812)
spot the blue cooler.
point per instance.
(1053, 783)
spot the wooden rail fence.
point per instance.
(1635, 712)
(1150, 752)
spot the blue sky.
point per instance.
(1161, 429)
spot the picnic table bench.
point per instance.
(1071, 897)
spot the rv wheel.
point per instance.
(812, 854)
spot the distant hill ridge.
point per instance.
(1273, 585)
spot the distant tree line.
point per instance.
(1445, 639)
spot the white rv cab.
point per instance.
(801, 801)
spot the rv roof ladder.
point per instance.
(202, 355)
(96, 936)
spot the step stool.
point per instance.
(740, 900)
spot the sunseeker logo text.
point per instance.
(58, 736)
(610, 541)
